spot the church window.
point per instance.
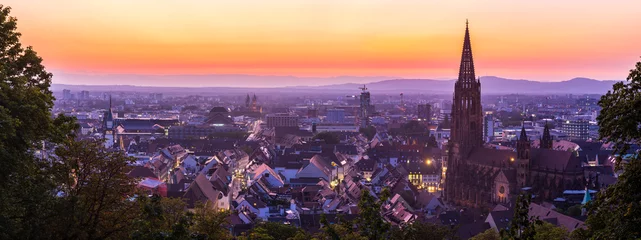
(502, 190)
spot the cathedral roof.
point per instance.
(489, 156)
(553, 159)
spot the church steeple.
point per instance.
(546, 140)
(523, 136)
(523, 145)
(467, 115)
(247, 101)
(466, 70)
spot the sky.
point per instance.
(547, 40)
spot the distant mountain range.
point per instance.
(489, 85)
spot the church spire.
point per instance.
(466, 70)
(546, 139)
(523, 136)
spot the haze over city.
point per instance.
(320, 41)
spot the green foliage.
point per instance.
(615, 213)
(419, 230)
(521, 226)
(93, 191)
(274, 231)
(26, 201)
(167, 218)
(160, 218)
(489, 234)
(328, 137)
(208, 223)
(574, 211)
(621, 112)
(369, 132)
(545, 231)
(370, 222)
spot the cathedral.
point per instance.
(479, 176)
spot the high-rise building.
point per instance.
(84, 95)
(365, 107)
(576, 129)
(488, 126)
(336, 115)
(66, 94)
(424, 112)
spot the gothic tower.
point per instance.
(254, 103)
(467, 117)
(523, 159)
(546, 140)
(247, 101)
(108, 126)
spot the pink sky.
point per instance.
(539, 40)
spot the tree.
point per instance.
(369, 132)
(431, 142)
(522, 225)
(93, 192)
(209, 223)
(574, 211)
(25, 120)
(370, 222)
(489, 234)
(418, 230)
(272, 230)
(545, 231)
(328, 137)
(160, 218)
(615, 213)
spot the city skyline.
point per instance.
(537, 41)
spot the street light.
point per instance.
(428, 162)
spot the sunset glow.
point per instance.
(539, 40)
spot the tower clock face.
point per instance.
(502, 190)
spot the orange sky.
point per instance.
(539, 40)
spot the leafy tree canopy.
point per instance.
(615, 213)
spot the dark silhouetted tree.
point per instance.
(615, 213)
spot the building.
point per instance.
(478, 176)
(335, 115)
(365, 107)
(219, 116)
(202, 131)
(337, 128)
(424, 112)
(66, 94)
(281, 120)
(576, 129)
(488, 126)
(84, 95)
(108, 127)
